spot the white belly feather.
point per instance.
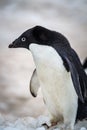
(56, 84)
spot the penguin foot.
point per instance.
(46, 126)
(53, 123)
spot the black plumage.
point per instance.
(85, 64)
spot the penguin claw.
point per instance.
(46, 126)
(53, 123)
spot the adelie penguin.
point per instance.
(59, 72)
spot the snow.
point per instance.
(30, 123)
(10, 128)
(25, 123)
(41, 128)
(83, 128)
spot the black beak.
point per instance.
(14, 44)
(11, 45)
(18, 44)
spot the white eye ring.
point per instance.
(23, 39)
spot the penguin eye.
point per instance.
(23, 39)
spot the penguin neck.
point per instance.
(46, 58)
(47, 55)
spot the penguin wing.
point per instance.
(34, 84)
(78, 74)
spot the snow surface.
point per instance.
(30, 123)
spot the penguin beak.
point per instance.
(14, 44)
(18, 44)
(11, 45)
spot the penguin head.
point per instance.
(39, 35)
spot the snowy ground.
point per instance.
(30, 123)
(17, 107)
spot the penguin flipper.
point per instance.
(78, 75)
(34, 84)
(75, 79)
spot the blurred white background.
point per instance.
(16, 65)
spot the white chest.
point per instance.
(56, 83)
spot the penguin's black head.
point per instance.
(39, 35)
